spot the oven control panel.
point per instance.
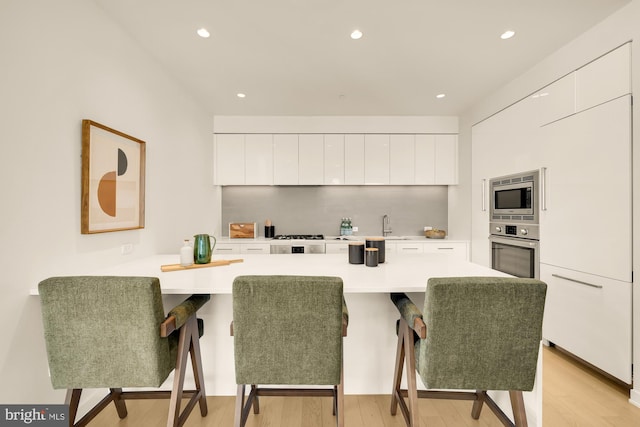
(522, 231)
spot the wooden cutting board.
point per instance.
(217, 263)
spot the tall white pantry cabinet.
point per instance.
(577, 132)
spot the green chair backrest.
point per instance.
(104, 332)
(287, 330)
(482, 333)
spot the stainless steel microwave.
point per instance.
(515, 197)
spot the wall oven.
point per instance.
(514, 232)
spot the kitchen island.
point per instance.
(370, 345)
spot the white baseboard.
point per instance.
(634, 398)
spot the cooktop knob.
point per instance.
(499, 229)
(524, 231)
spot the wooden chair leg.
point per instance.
(397, 376)
(517, 405)
(412, 386)
(477, 404)
(340, 399)
(255, 401)
(73, 400)
(118, 401)
(196, 364)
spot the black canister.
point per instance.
(377, 242)
(269, 231)
(371, 257)
(356, 253)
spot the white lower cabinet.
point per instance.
(589, 316)
(457, 249)
(227, 248)
(337, 248)
(409, 248)
(255, 248)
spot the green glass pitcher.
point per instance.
(203, 248)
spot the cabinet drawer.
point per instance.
(337, 248)
(227, 248)
(258, 248)
(590, 316)
(458, 250)
(409, 248)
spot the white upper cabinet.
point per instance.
(446, 157)
(229, 159)
(554, 101)
(425, 160)
(376, 159)
(334, 159)
(285, 159)
(354, 159)
(311, 159)
(258, 162)
(401, 159)
(436, 160)
(606, 78)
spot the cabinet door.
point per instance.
(354, 159)
(585, 223)
(258, 159)
(285, 159)
(337, 248)
(555, 101)
(255, 248)
(604, 79)
(311, 159)
(402, 159)
(590, 316)
(457, 250)
(425, 172)
(227, 248)
(376, 159)
(409, 248)
(446, 159)
(334, 159)
(229, 159)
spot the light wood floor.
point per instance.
(572, 396)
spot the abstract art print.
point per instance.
(113, 170)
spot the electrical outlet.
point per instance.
(355, 229)
(126, 249)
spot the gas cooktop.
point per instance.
(298, 237)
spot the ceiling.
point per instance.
(296, 57)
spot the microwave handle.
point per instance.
(484, 195)
(543, 188)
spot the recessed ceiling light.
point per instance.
(202, 32)
(356, 34)
(440, 95)
(507, 34)
(241, 95)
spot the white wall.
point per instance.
(610, 33)
(62, 62)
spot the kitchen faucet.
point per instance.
(386, 229)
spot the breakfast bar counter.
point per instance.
(370, 344)
(405, 273)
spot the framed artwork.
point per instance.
(113, 170)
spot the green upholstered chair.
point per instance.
(288, 331)
(112, 332)
(477, 334)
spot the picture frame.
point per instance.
(113, 180)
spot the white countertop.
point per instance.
(406, 273)
(337, 239)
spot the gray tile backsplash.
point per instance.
(319, 209)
